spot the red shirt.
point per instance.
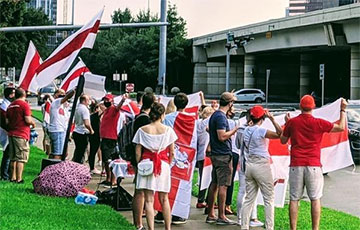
(109, 123)
(15, 114)
(305, 132)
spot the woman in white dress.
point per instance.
(155, 142)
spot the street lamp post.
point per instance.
(229, 45)
(117, 77)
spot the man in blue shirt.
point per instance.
(221, 158)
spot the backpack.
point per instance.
(125, 137)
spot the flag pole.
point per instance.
(79, 90)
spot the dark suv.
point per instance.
(353, 117)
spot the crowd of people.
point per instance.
(232, 147)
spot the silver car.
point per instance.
(253, 95)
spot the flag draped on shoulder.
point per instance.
(32, 61)
(61, 59)
(182, 167)
(71, 80)
(192, 106)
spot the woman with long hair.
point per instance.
(155, 143)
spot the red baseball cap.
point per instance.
(307, 102)
(257, 111)
(108, 96)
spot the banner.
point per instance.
(64, 55)
(335, 151)
(182, 167)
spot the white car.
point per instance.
(255, 95)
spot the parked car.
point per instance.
(46, 90)
(250, 95)
(353, 117)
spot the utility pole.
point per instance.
(162, 48)
(229, 45)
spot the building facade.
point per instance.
(297, 7)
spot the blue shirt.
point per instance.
(218, 121)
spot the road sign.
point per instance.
(322, 71)
(130, 87)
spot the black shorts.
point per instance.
(108, 149)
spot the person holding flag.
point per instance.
(305, 133)
(109, 132)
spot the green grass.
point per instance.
(37, 114)
(21, 208)
(330, 219)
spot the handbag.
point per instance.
(146, 167)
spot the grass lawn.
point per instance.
(21, 208)
(37, 114)
(330, 219)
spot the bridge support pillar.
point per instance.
(306, 63)
(249, 68)
(355, 72)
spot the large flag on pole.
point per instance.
(335, 151)
(32, 61)
(71, 80)
(61, 59)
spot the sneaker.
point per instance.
(99, 163)
(95, 171)
(200, 205)
(159, 218)
(256, 223)
(239, 222)
(210, 220)
(178, 220)
(225, 222)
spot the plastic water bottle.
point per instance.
(85, 199)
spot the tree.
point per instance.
(13, 46)
(136, 50)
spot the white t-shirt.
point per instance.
(59, 117)
(258, 143)
(82, 113)
(203, 138)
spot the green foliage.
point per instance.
(21, 208)
(13, 46)
(37, 114)
(330, 219)
(136, 51)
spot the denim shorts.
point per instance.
(57, 142)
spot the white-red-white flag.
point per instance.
(193, 105)
(182, 166)
(335, 151)
(61, 59)
(71, 80)
(32, 61)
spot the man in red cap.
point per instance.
(109, 133)
(305, 133)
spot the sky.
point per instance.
(202, 16)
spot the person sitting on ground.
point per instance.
(108, 134)
(141, 120)
(9, 96)
(59, 117)
(156, 142)
(18, 120)
(257, 166)
(305, 133)
(82, 128)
